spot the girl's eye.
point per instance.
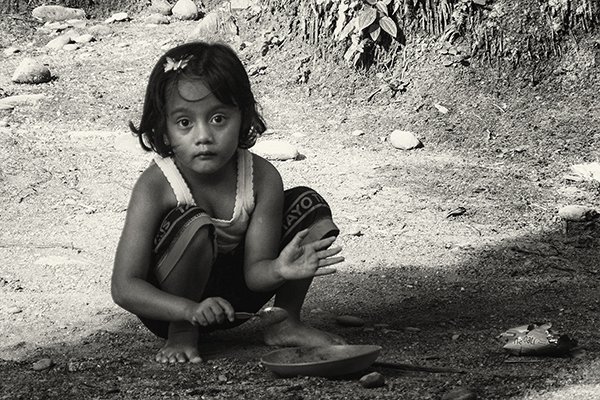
(184, 123)
(218, 119)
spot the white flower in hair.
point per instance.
(176, 65)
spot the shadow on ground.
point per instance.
(435, 316)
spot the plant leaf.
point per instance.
(382, 8)
(388, 25)
(366, 18)
(374, 31)
(347, 30)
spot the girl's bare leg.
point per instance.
(292, 331)
(188, 279)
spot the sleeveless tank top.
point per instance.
(229, 232)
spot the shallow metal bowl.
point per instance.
(325, 361)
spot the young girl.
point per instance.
(209, 229)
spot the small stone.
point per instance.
(157, 19)
(185, 10)
(372, 380)
(71, 46)
(455, 336)
(4, 123)
(441, 108)
(57, 13)
(162, 7)
(459, 394)
(99, 30)
(577, 213)
(76, 23)
(14, 310)
(31, 71)
(118, 17)
(404, 140)
(276, 149)
(85, 38)
(350, 320)
(357, 132)
(9, 51)
(59, 42)
(222, 378)
(42, 364)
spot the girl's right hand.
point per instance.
(211, 311)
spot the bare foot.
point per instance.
(292, 332)
(181, 346)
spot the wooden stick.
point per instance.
(412, 367)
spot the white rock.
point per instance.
(42, 364)
(13, 101)
(9, 51)
(57, 13)
(242, 4)
(85, 38)
(441, 108)
(71, 46)
(162, 7)
(157, 19)
(587, 171)
(76, 23)
(128, 143)
(276, 149)
(185, 10)
(577, 213)
(14, 310)
(31, 71)
(99, 30)
(404, 140)
(357, 132)
(118, 17)
(59, 42)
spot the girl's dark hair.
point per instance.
(219, 68)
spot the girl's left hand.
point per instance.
(301, 261)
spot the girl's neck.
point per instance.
(221, 176)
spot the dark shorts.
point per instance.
(303, 208)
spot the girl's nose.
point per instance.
(203, 135)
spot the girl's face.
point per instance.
(203, 133)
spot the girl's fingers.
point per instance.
(325, 271)
(299, 237)
(227, 308)
(328, 252)
(330, 261)
(323, 243)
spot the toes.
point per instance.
(195, 359)
(181, 357)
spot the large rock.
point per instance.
(404, 140)
(157, 19)
(275, 149)
(31, 71)
(57, 13)
(185, 10)
(577, 213)
(162, 7)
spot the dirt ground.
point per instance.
(434, 290)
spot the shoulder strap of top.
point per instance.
(246, 166)
(180, 188)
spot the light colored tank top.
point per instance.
(229, 232)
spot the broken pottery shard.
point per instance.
(404, 140)
(577, 213)
(536, 340)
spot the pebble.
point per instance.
(185, 10)
(99, 30)
(117, 17)
(441, 108)
(404, 140)
(350, 320)
(59, 42)
(57, 13)
(162, 7)
(276, 149)
(372, 380)
(85, 38)
(9, 51)
(357, 132)
(577, 213)
(42, 364)
(31, 71)
(71, 46)
(14, 310)
(459, 394)
(455, 336)
(157, 19)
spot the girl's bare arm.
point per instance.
(129, 287)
